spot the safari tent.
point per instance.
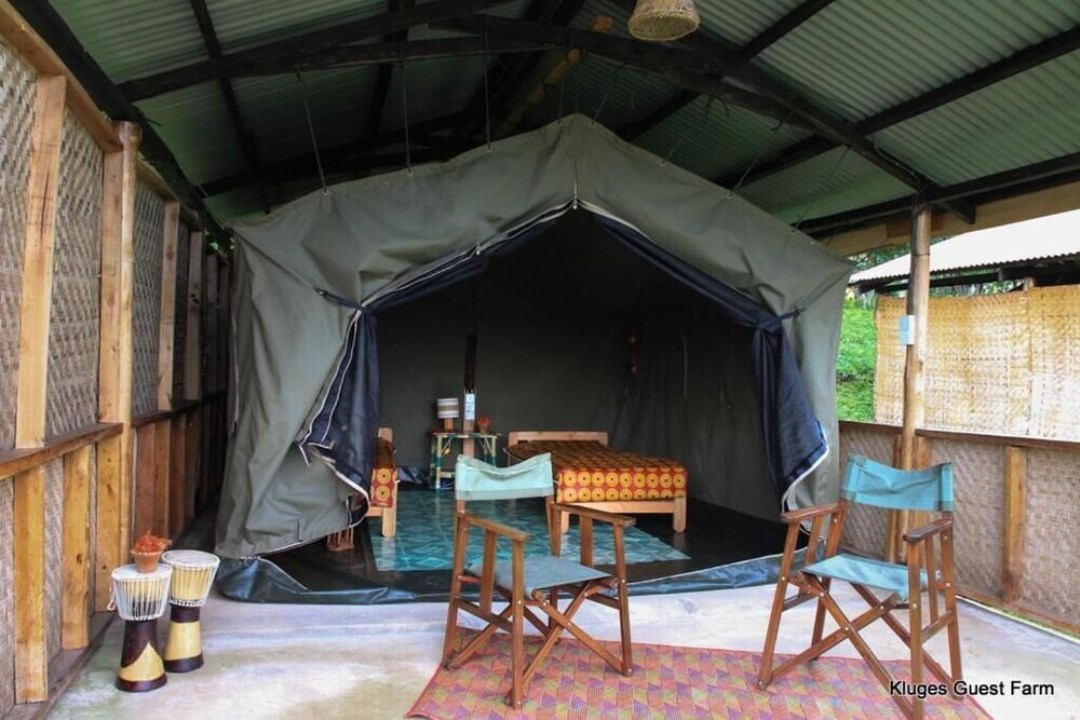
(609, 290)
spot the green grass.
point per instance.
(855, 364)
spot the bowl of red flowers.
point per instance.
(147, 551)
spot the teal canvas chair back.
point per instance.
(477, 480)
(873, 483)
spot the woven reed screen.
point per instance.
(7, 597)
(73, 324)
(182, 247)
(1002, 364)
(979, 485)
(16, 121)
(54, 560)
(866, 528)
(1051, 537)
(149, 233)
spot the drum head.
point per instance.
(129, 573)
(190, 558)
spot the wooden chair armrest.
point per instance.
(498, 528)
(600, 515)
(919, 534)
(797, 516)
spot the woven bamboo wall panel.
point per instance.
(1002, 364)
(979, 484)
(182, 246)
(1051, 538)
(73, 324)
(1055, 362)
(16, 121)
(149, 233)
(54, 559)
(7, 598)
(865, 528)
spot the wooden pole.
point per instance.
(918, 302)
(1012, 560)
(28, 522)
(167, 323)
(193, 332)
(116, 358)
(75, 611)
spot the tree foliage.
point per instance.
(855, 363)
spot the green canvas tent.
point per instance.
(555, 246)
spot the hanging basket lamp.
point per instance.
(663, 20)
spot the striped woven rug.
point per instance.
(668, 682)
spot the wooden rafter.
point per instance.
(1009, 183)
(799, 15)
(296, 48)
(1021, 61)
(504, 78)
(245, 141)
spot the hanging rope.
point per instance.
(754, 162)
(487, 95)
(708, 107)
(311, 131)
(821, 186)
(611, 85)
(405, 103)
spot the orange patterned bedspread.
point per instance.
(384, 475)
(587, 471)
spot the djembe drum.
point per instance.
(193, 575)
(139, 598)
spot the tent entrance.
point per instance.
(576, 331)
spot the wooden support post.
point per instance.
(28, 531)
(115, 465)
(75, 610)
(28, 523)
(145, 478)
(194, 461)
(1012, 561)
(193, 334)
(162, 440)
(167, 323)
(37, 277)
(918, 302)
(177, 475)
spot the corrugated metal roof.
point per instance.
(996, 128)
(133, 38)
(858, 58)
(823, 186)
(194, 123)
(242, 23)
(723, 142)
(1053, 236)
(739, 21)
(435, 87)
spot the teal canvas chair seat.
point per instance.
(533, 586)
(924, 585)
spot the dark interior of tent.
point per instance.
(574, 331)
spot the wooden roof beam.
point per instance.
(384, 74)
(770, 35)
(246, 142)
(302, 46)
(1019, 62)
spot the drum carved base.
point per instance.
(183, 649)
(141, 668)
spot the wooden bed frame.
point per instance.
(675, 506)
(344, 540)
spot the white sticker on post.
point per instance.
(907, 329)
(470, 406)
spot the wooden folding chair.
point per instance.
(928, 572)
(532, 583)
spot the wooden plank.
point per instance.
(40, 56)
(37, 276)
(192, 338)
(162, 442)
(167, 321)
(13, 462)
(177, 474)
(75, 610)
(989, 438)
(28, 532)
(1021, 609)
(1012, 560)
(107, 555)
(194, 461)
(145, 479)
(526, 435)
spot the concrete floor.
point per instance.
(308, 661)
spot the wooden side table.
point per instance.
(442, 441)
